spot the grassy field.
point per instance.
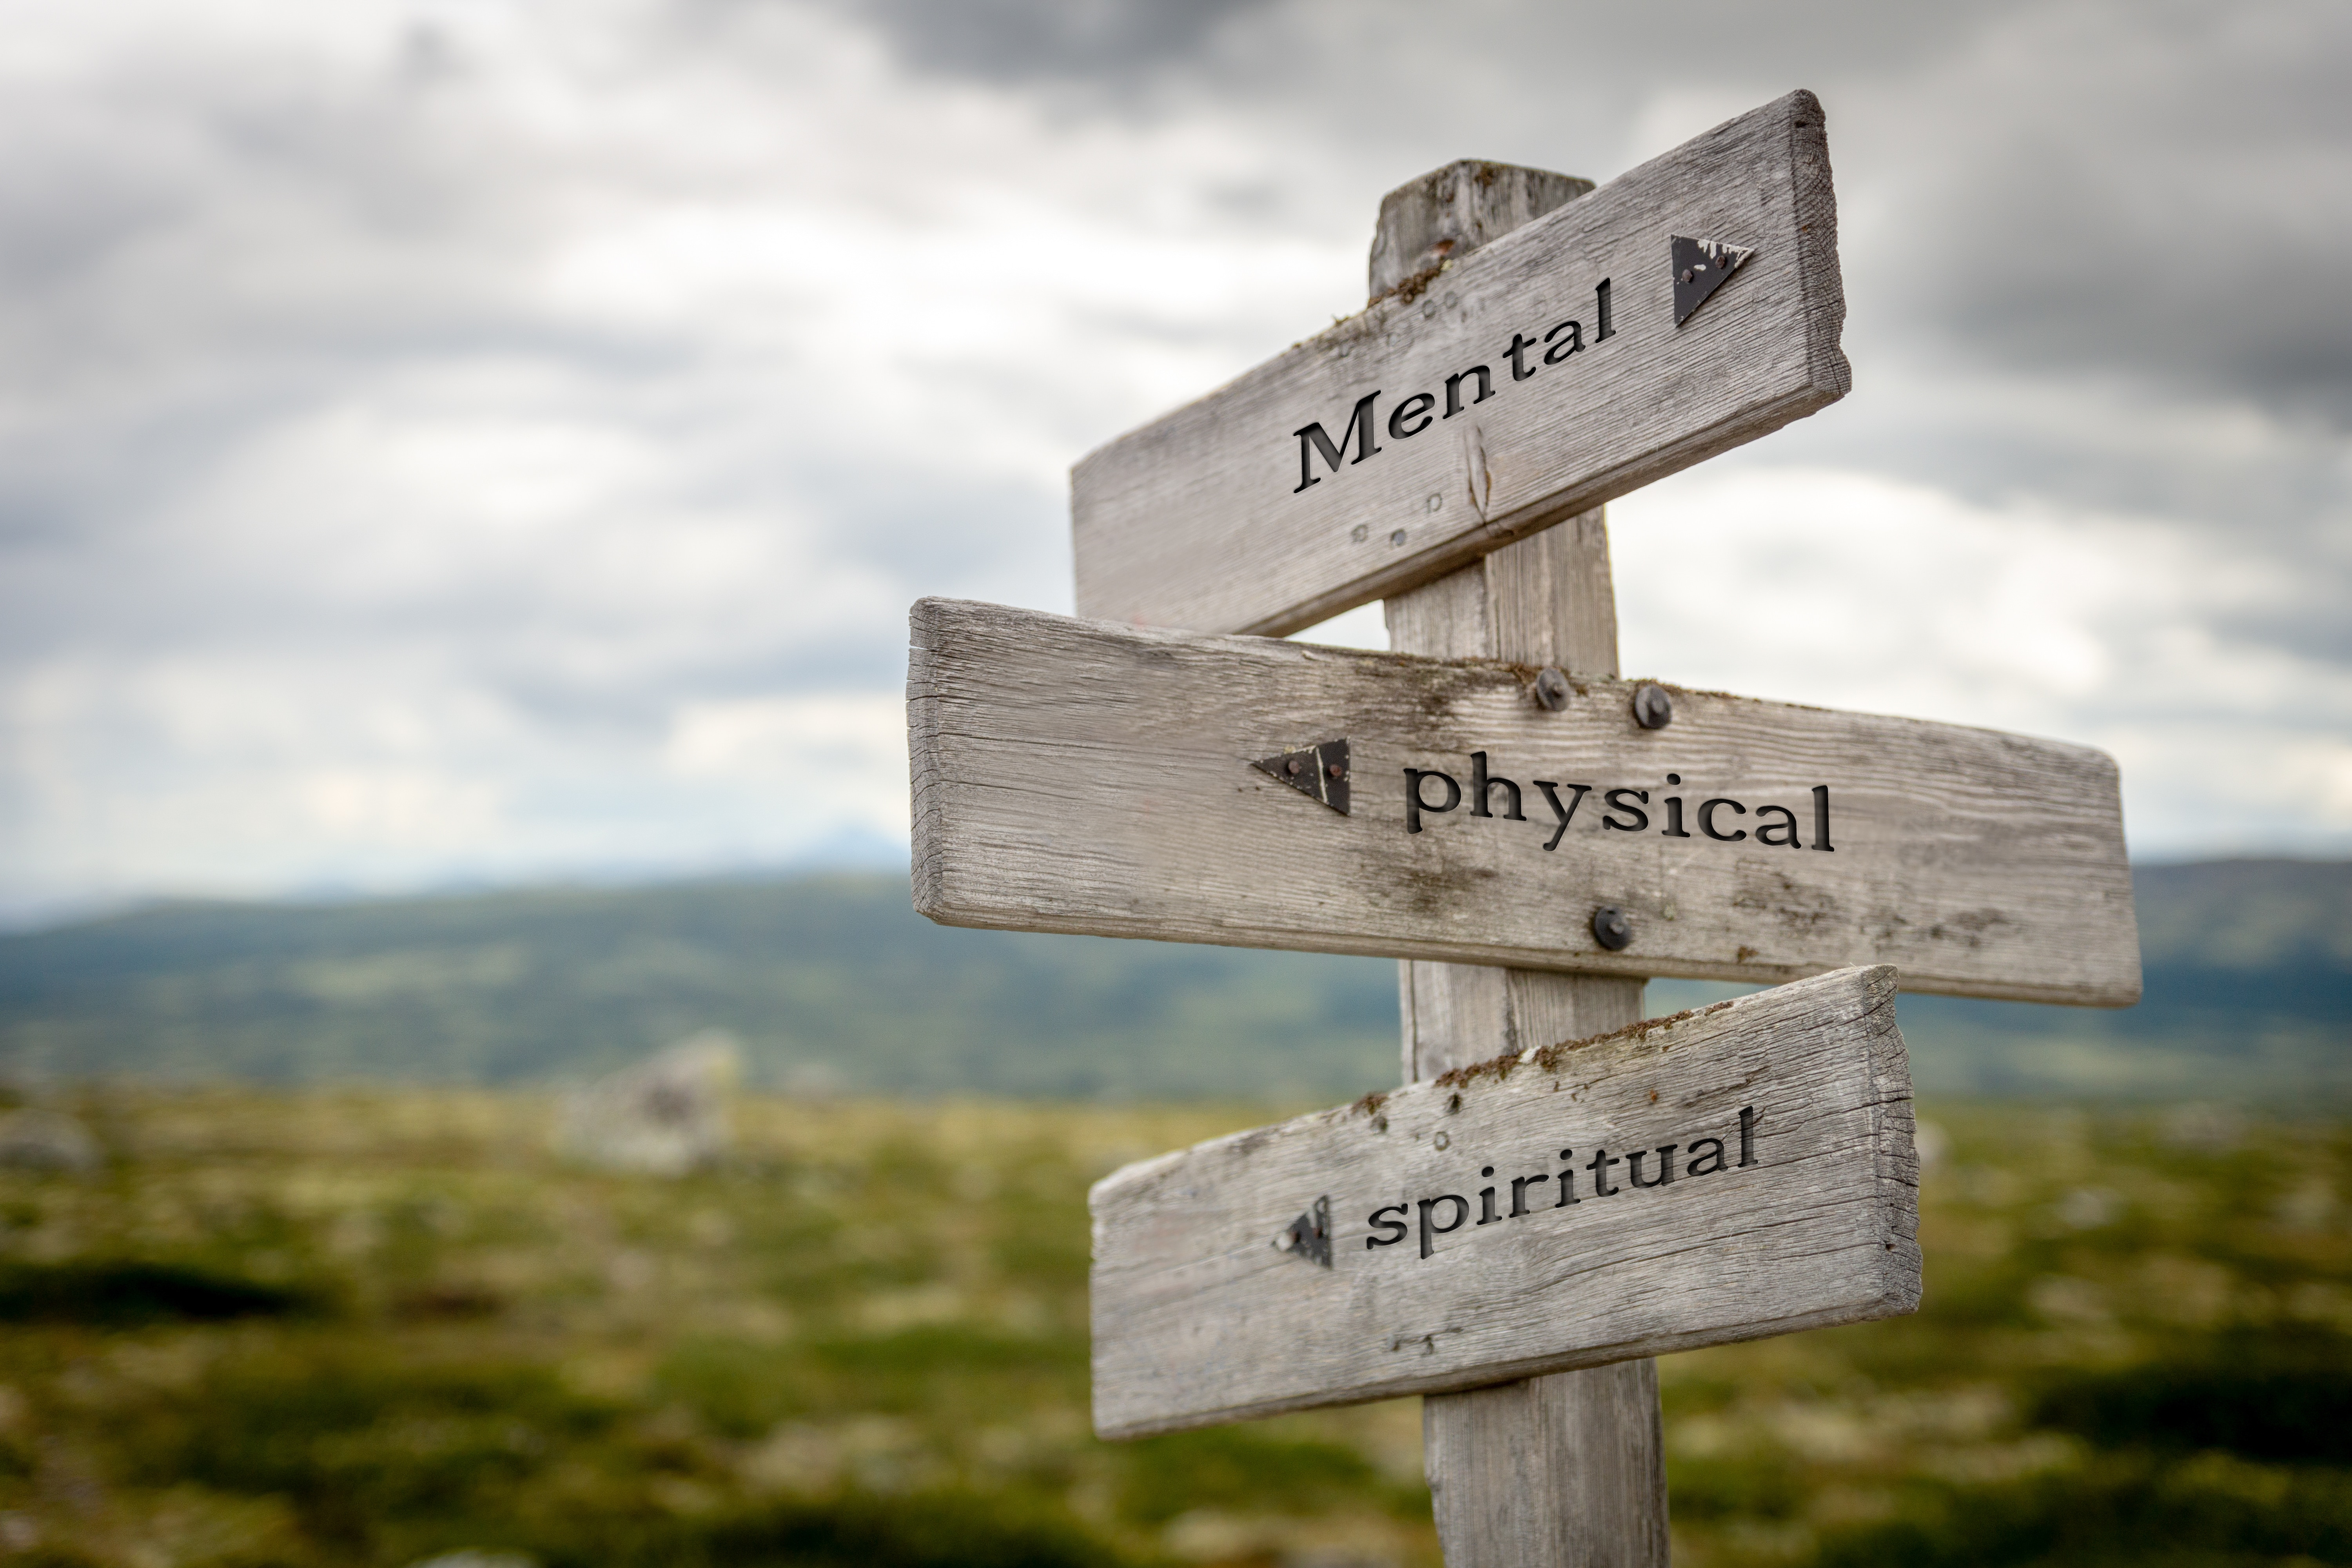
(369, 1327)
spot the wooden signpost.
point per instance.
(1561, 1191)
(1569, 362)
(1078, 776)
(1741, 1171)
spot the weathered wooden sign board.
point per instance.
(1079, 776)
(1740, 1171)
(1690, 305)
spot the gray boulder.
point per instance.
(666, 1116)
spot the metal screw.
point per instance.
(1334, 769)
(1687, 275)
(1551, 688)
(1611, 929)
(1398, 537)
(1652, 709)
(1291, 767)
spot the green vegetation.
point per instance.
(364, 1327)
(114, 1293)
(278, 1330)
(827, 981)
(835, 980)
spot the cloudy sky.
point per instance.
(476, 441)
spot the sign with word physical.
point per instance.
(1739, 1170)
(1689, 306)
(1075, 775)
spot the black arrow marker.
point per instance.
(1320, 773)
(1701, 266)
(1308, 1236)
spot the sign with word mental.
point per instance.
(1740, 1171)
(1075, 775)
(1684, 308)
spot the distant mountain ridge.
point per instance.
(833, 981)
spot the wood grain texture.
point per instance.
(1455, 1014)
(1199, 1318)
(1569, 1467)
(1196, 520)
(1079, 776)
(1544, 600)
(1450, 212)
(1561, 1469)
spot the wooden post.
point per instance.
(1568, 1470)
(1190, 522)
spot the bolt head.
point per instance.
(1551, 688)
(1292, 767)
(1652, 709)
(1611, 929)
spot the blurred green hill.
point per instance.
(2247, 995)
(834, 981)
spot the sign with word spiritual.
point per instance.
(1075, 775)
(1743, 1169)
(1690, 305)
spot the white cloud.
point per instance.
(448, 440)
(1852, 591)
(839, 758)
